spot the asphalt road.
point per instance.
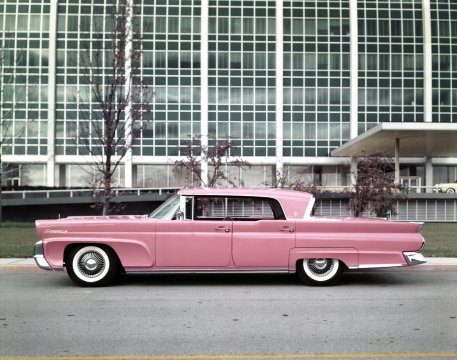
(370, 315)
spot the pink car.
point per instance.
(219, 230)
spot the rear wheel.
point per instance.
(450, 190)
(92, 265)
(319, 272)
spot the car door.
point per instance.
(203, 239)
(263, 243)
(262, 238)
(193, 244)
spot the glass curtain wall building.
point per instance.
(287, 81)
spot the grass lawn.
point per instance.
(440, 239)
(17, 239)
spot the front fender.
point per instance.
(348, 256)
(131, 253)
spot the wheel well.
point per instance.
(71, 247)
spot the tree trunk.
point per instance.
(107, 187)
(106, 201)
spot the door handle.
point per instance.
(287, 229)
(222, 229)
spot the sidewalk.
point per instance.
(16, 261)
(432, 264)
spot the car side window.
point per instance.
(245, 208)
(235, 208)
(209, 208)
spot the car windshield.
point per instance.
(167, 210)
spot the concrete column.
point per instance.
(279, 48)
(128, 91)
(204, 86)
(427, 29)
(51, 160)
(354, 69)
(397, 161)
(428, 175)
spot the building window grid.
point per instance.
(24, 38)
(390, 65)
(439, 21)
(242, 76)
(174, 72)
(444, 52)
(316, 75)
(77, 24)
(162, 135)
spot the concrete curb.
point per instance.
(18, 265)
(16, 261)
(432, 264)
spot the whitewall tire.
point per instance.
(319, 271)
(92, 265)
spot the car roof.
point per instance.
(294, 203)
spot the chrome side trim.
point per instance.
(38, 255)
(373, 266)
(208, 271)
(414, 258)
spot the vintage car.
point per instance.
(446, 187)
(220, 230)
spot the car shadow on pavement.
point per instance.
(378, 277)
(208, 279)
(348, 278)
(365, 278)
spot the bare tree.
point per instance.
(120, 97)
(375, 190)
(5, 132)
(218, 157)
(283, 181)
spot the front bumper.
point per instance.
(38, 255)
(414, 258)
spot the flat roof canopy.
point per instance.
(415, 139)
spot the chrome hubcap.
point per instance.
(320, 264)
(320, 267)
(91, 264)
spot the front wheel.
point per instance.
(92, 265)
(319, 272)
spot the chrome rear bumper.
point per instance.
(414, 258)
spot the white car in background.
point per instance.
(446, 187)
